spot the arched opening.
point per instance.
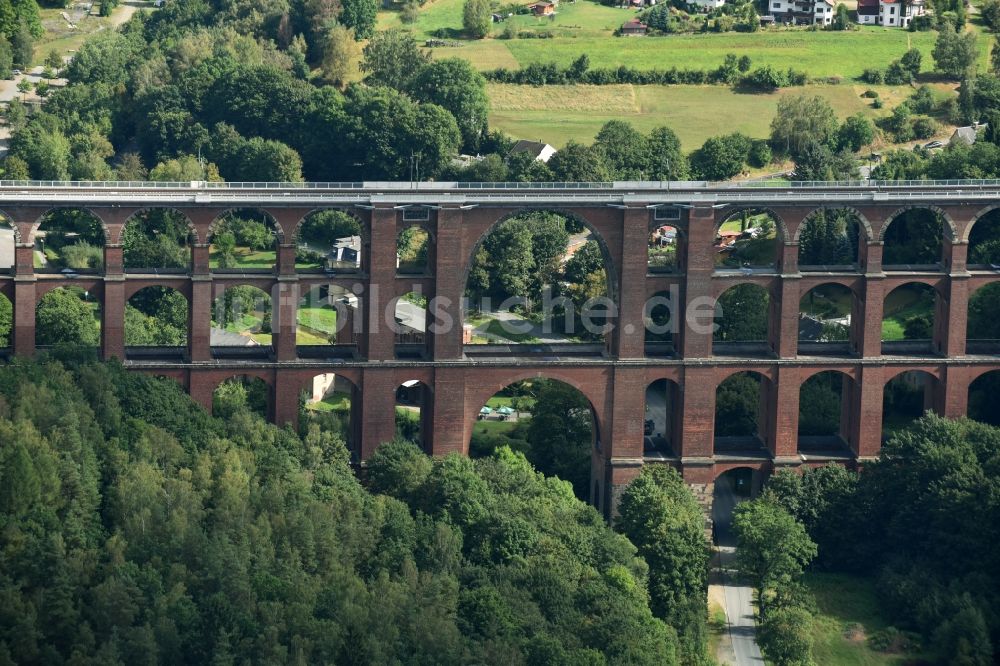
(414, 409)
(741, 414)
(660, 324)
(983, 323)
(240, 393)
(243, 240)
(659, 426)
(68, 316)
(156, 317)
(732, 487)
(663, 249)
(6, 323)
(825, 401)
(410, 325)
(742, 318)
(984, 241)
(914, 239)
(905, 399)
(830, 239)
(984, 398)
(158, 239)
(538, 278)
(549, 421)
(908, 319)
(825, 316)
(8, 241)
(241, 320)
(328, 322)
(747, 239)
(328, 402)
(329, 241)
(412, 251)
(69, 240)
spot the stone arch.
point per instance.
(59, 319)
(951, 232)
(907, 393)
(742, 411)
(751, 323)
(983, 317)
(362, 249)
(986, 223)
(39, 220)
(246, 377)
(6, 218)
(327, 314)
(914, 312)
(415, 394)
(148, 209)
(984, 396)
(731, 484)
(660, 423)
(831, 320)
(595, 393)
(242, 313)
(781, 226)
(863, 222)
(609, 263)
(666, 252)
(333, 387)
(160, 321)
(426, 263)
(825, 418)
(979, 215)
(235, 209)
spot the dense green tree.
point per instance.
(476, 18)
(579, 163)
(742, 314)
(64, 317)
(737, 405)
(625, 151)
(660, 515)
(914, 237)
(773, 548)
(561, 433)
(801, 120)
(6, 58)
(455, 86)
(360, 16)
(666, 161)
(856, 132)
(955, 53)
(392, 59)
(721, 157)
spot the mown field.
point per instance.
(557, 114)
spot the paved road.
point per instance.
(738, 597)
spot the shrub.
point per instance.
(924, 127)
(874, 76)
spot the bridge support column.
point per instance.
(381, 339)
(784, 416)
(200, 319)
(113, 318)
(285, 302)
(451, 433)
(24, 315)
(868, 411)
(696, 336)
(697, 415)
(787, 330)
(285, 395)
(955, 393)
(378, 409)
(952, 320)
(201, 389)
(629, 327)
(871, 317)
(620, 455)
(444, 318)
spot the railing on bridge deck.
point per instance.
(814, 348)
(327, 352)
(553, 351)
(155, 353)
(907, 348)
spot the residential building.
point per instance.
(889, 13)
(967, 134)
(802, 12)
(633, 28)
(538, 150)
(542, 8)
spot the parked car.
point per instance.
(647, 427)
(934, 144)
(16, 72)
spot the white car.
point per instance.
(16, 72)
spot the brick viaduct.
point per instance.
(614, 377)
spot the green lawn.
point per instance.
(900, 305)
(557, 114)
(848, 615)
(338, 401)
(494, 427)
(247, 258)
(319, 318)
(495, 328)
(497, 401)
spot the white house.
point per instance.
(802, 12)
(708, 4)
(889, 13)
(538, 150)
